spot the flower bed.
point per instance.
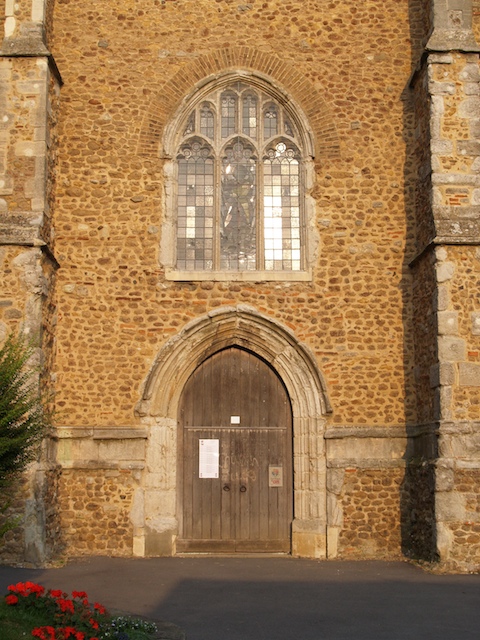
(64, 617)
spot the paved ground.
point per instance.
(279, 598)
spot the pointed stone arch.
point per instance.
(194, 75)
(245, 327)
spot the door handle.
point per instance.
(243, 488)
(226, 488)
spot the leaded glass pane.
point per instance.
(249, 116)
(237, 216)
(229, 113)
(207, 121)
(270, 122)
(219, 212)
(281, 209)
(195, 208)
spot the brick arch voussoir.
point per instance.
(197, 72)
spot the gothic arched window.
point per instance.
(239, 201)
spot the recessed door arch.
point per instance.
(158, 408)
(236, 497)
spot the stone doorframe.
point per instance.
(156, 521)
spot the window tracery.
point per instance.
(239, 202)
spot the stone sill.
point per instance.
(103, 464)
(365, 432)
(239, 276)
(367, 463)
(104, 433)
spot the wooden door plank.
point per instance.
(262, 546)
(235, 383)
(205, 546)
(227, 492)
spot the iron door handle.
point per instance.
(226, 488)
(243, 488)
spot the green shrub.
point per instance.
(24, 418)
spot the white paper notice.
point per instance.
(208, 460)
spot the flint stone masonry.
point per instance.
(376, 341)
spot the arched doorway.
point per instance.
(244, 328)
(235, 457)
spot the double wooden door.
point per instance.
(235, 456)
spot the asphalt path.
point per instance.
(275, 598)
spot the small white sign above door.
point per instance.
(234, 419)
(208, 458)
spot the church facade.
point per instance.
(247, 238)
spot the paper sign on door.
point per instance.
(208, 458)
(275, 476)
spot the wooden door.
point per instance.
(235, 401)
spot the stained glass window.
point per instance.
(229, 114)
(250, 116)
(237, 213)
(195, 207)
(239, 195)
(281, 208)
(270, 122)
(207, 121)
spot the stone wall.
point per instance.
(451, 68)
(29, 89)
(419, 530)
(124, 81)
(465, 523)
(12, 547)
(376, 342)
(371, 513)
(95, 508)
(112, 290)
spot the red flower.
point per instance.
(56, 593)
(41, 632)
(35, 588)
(19, 588)
(94, 623)
(65, 605)
(79, 594)
(100, 608)
(13, 588)
(11, 599)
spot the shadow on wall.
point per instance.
(417, 505)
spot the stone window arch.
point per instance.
(239, 172)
